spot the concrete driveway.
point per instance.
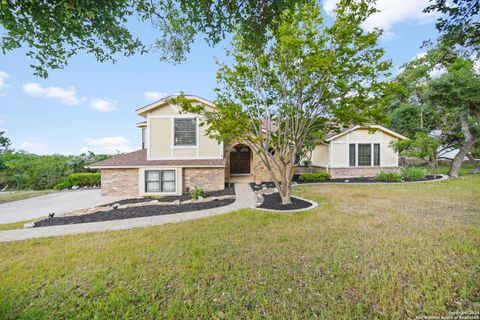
(59, 202)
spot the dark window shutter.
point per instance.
(352, 155)
(376, 154)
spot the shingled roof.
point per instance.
(139, 158)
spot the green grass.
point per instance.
(15, 225)
(20, 195)
(368, 251)
(464, 170)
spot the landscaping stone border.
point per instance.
(313, 206)
(269, 184)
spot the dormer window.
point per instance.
(185, 132)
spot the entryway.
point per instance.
(240, 160)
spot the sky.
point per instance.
(91, 105)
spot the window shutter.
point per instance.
(352, 155)
(376, 154)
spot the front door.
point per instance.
(240, 160)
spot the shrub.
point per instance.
(388, 176)
(197, 193)
(413, 174)
(84, 179)
(314, 177)
(307, 162)
(63, 185)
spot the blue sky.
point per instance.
(91, 105)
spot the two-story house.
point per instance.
(177, 155)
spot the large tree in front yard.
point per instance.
(309, 79)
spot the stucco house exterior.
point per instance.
(177, 155)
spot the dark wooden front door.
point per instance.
(240, 160)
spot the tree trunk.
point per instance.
(468, 143)
(285, 189)
(458, 160)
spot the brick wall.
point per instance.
(120, 182)
(309, 169)
(209, 179)
(359, 172)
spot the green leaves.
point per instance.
(54, 31)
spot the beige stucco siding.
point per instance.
(209, 148)
(185, 152)
(165, 110)
(340, 150)
(339, 154)
(160, 139)
(320, 155)
(388, 156)
(160, 142)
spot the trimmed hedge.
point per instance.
(315, 177)
(80, 180)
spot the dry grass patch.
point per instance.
(20, 195)
(375, 251)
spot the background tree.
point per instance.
(423, 146)
(456, 96)
(56, 30)
(459, 25)
(309, 78)
(4, 142)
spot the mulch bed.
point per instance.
(228, 191)
(270, 184)
(142, 211)
(274, 202)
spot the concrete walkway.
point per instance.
(245, 198)
(58, 202)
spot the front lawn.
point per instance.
(14, 225)
(20, 195)
(368, 251)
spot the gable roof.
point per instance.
(159, 103)
(334, 135)
(139, 159)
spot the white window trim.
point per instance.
(197, 138)
(178, 181)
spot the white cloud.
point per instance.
(3, 81)
(392, 13)
(103, 105)
(154, 95)
(107, 145)
(34, 146)
(66, 96)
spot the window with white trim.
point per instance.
(364, 154)
(185, 132)
(160, 181)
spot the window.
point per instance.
(364, 154)
(376, 154)
(143, 138)
(160, 181)
(352, 155)
(185, 132)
